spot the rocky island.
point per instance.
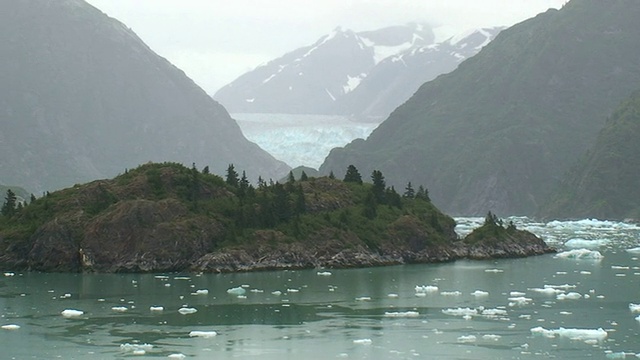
(167, 217)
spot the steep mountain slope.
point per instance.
(605, 182)
(499, 131)
(82, 97)
(365, 74)
(397, 77)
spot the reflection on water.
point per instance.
(467, 309)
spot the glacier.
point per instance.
(301, 139)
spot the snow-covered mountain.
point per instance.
(365, 74)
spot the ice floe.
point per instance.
(426, 289)
(71, 313)
(460, 312)
(492, 337)
(569, 296)
(479, 293)
(634, 307)
(547, 291)
(187, 310)
(635, 250)
(583, 243)
(519, 301)
(467, 339)
(120, 308)
(451, 293)
(10, 327)
(404, 314)
(136, 349)
(203, 334)
(363, 341)
(323, 273)
(177, 356)
(573, 334)
(156, 308)
(237, 291)
(201, 292)
(581, 254)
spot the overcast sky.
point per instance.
(215, 41)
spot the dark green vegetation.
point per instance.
(500, 131)
(605, 182)
(82, 97)
(166, 217)
(162, 211)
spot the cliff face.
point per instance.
(83, 98)
(160, 218)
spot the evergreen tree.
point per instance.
(393, 198)
(303, 176)
(9, 206)
(301, 202)
(281, 207)
(243, 185)
(206, 170)
(422, 194)
(232, 176)
(33, 199)
(370, 205)
(379, 186)
(409, 192)
(352, 175)
(291, 179)
(331, 175)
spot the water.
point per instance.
(378, 313)
(301, 139)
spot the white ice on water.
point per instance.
(237, 291)
(71, 313)
(634, 307)
(583, 243)
(203, 334)
(120, 308)
(405, 314)
(363, 341)
(581, 254)
(187, 311)
(573, 334)
(10, 327)
(569, 296)
(426, 289)
(460, 312)
(479, 293)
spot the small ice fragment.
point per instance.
(584, 272)
(323, 273)
(566, 313)
(547, 291)
(202, 292)
(467, 339)
(136, 349)
(256, 291)
(565, 286)
(518, 301)
(363, 341)
(517, 294)
(11, 327)
(187, 311)
(638, 318)
(402, 314)
(580, 254)
(363, 298)
(119, 308)
(203, 334)
(569, 296)
(634, 307)
(618, 267)
(451, 293)
(635, 250)
(293, 290)
(277, 293)
(70, 313)
(426, 289)
(491, 337)
(494, 312)
(493, 270)
(393, 296)
(237, 291)
(177, 356)
(573, 334)
(460, 312)
(479, 293)
(156, 308)
(161, 277)
(9, 274)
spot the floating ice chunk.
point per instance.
(581, 254)
(161, 277)
(201, 292)
(256, 291)
(517, 294)
(9, 274)
(569, 296)
(638, 318)
(634, 307)
(323, 273)
(237, 291)
(119, 308)
(203, 334)
(491, 337)
(565, 286)
(582, 243)
(393, 296)
(156, 308)
(426, 289)
(404, 314)
(479, 293)
(493, 270)
(276, 293)
(451, 293)
(467, 339)
(573, 334)
(293, 290)
(187, 311)
(460, 312)
(547, 291)
(494, 312)
(635, 250)
(519, 301)
(363, 298)
(618, 267)
(177, 356)
(363, 341)
(566, 313)
(11, 327)
(136, 349)
(70, 313)
(620, 355)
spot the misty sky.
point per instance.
(215, 41)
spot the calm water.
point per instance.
(462, 310)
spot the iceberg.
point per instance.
(203, 334)
(569, 296)
(583, 243)
(460, 312)
(156, 308)
(11, 327)
(363, 341)
(580, 254)
(426, 289)
(237, 291)
(402, 314)
(187, 311)
(479, 293)
(573, 334)
(71, 313)
(467, 339)
(634, 307)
